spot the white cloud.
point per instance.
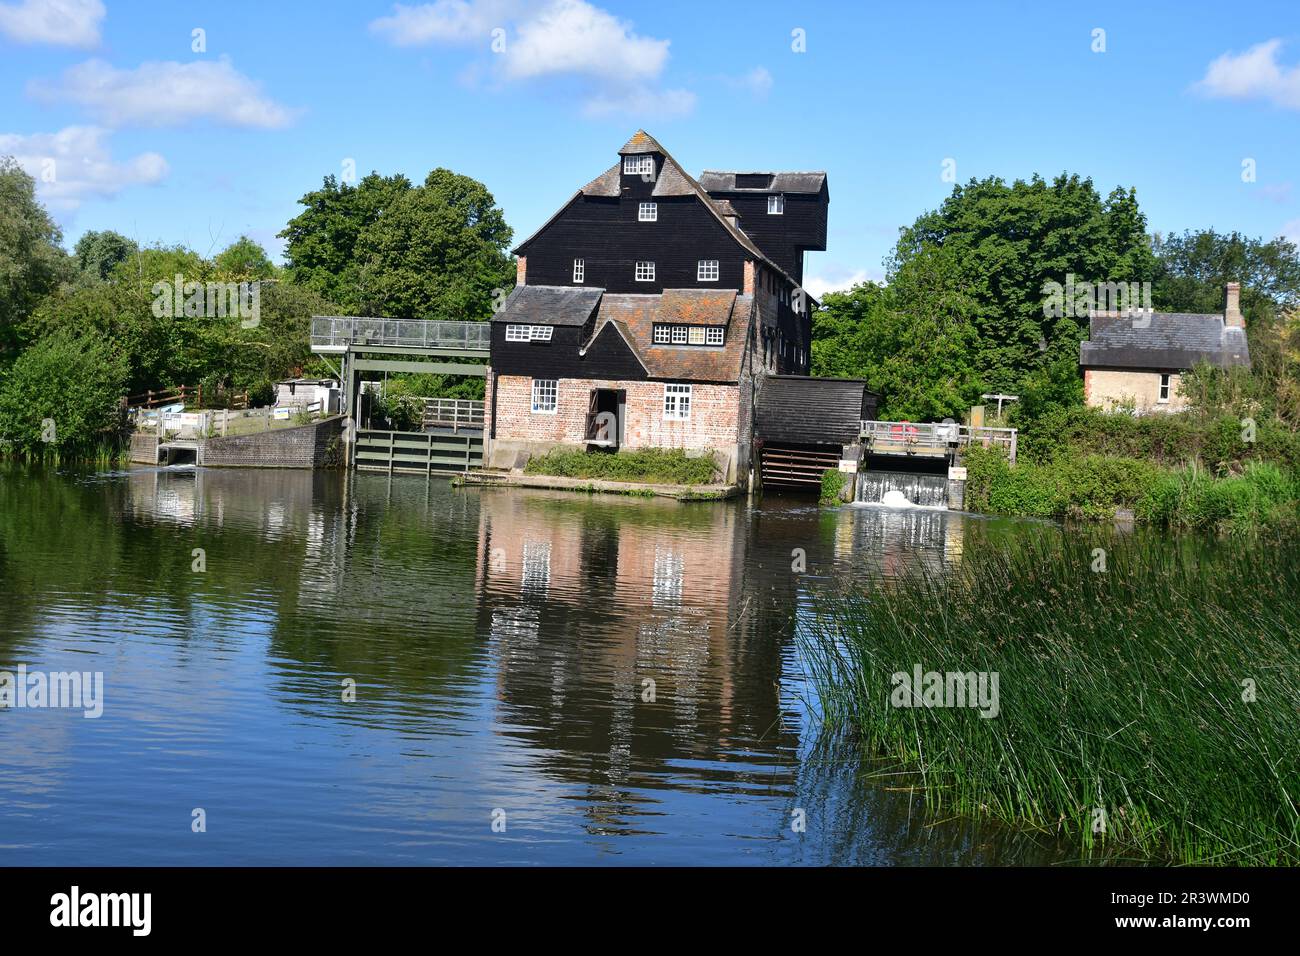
(757, 81)
(75, 164)
(838, 280)
(1253, 75)
(167, 94)
(60, 22)
(447, 21)
(621, 70)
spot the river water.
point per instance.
(331, 669)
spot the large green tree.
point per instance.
(1194, 268)
(100, 252)
(386, 247)
(32, 263)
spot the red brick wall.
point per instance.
(714, 421)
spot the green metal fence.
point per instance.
(419, 452)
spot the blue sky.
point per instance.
(166, 144)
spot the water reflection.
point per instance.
(619, 676)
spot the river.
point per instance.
(319, 668)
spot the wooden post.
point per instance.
(428, 457)
(391, 444)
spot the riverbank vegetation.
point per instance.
(658, 466)
(1146, 695)
(103, 320)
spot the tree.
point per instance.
(62, 394)
(1007, 242)
(438, 252)
(1194, 268)
(32, 263)
(385, 247)
(99, 253)
(320, 250)
(243, 261)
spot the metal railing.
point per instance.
(336, 333)
(455, 413)
(934, 437)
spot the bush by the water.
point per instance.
(62, 397)
(1094, 486)
(832, 486)
(1153, 691)
(653, 465)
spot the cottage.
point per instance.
(649, 310)
(1138, 358)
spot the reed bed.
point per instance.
(1152, 709)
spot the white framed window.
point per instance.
(645, 271)
(776, 205)
(579, 270)
(662, 334)
(528, 333)
(706, 270)
(1164, 388)
(715, 335)
(677, 402)
(638, 165)
(544, 395)
(679, 335)
(648, 212)
(695, 334)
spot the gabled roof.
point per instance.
(672, 180)
(1162, 340)
(725, 182)
(549, 305)
(636, 315)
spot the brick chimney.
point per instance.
(1232, 309)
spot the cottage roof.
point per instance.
(635, 316)
(1162, 340)
(725, 182)
(549, 305)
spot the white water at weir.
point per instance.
(886, 487)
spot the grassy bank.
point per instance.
(1262, 495)
(1158, 696)
(653, 465)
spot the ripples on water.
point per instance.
(500, 642)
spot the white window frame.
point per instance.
(645, 271)
(706, 270)
(648, 212)
(776, 205)
(638, 165)
(542, 391)
(529, 333)
(680, 335)
(663, 334)
(1166, 388)
(677, 402)
(579, 270)
(715, 335)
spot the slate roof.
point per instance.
(549, 305)
(672, 181)
(799, 408)
(636, 315)
(1162, 340)
(725, 182)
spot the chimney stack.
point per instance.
(1232, 309)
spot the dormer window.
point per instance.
(643, 165)
(776, 205)
(648, 212)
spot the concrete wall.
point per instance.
(144, 448)
(318, 445)
(1107, 388)
(714, 423)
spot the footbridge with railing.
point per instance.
(451, 436)
(933, 439)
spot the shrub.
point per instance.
(832, 486)
(76, 382)
(655, 465)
